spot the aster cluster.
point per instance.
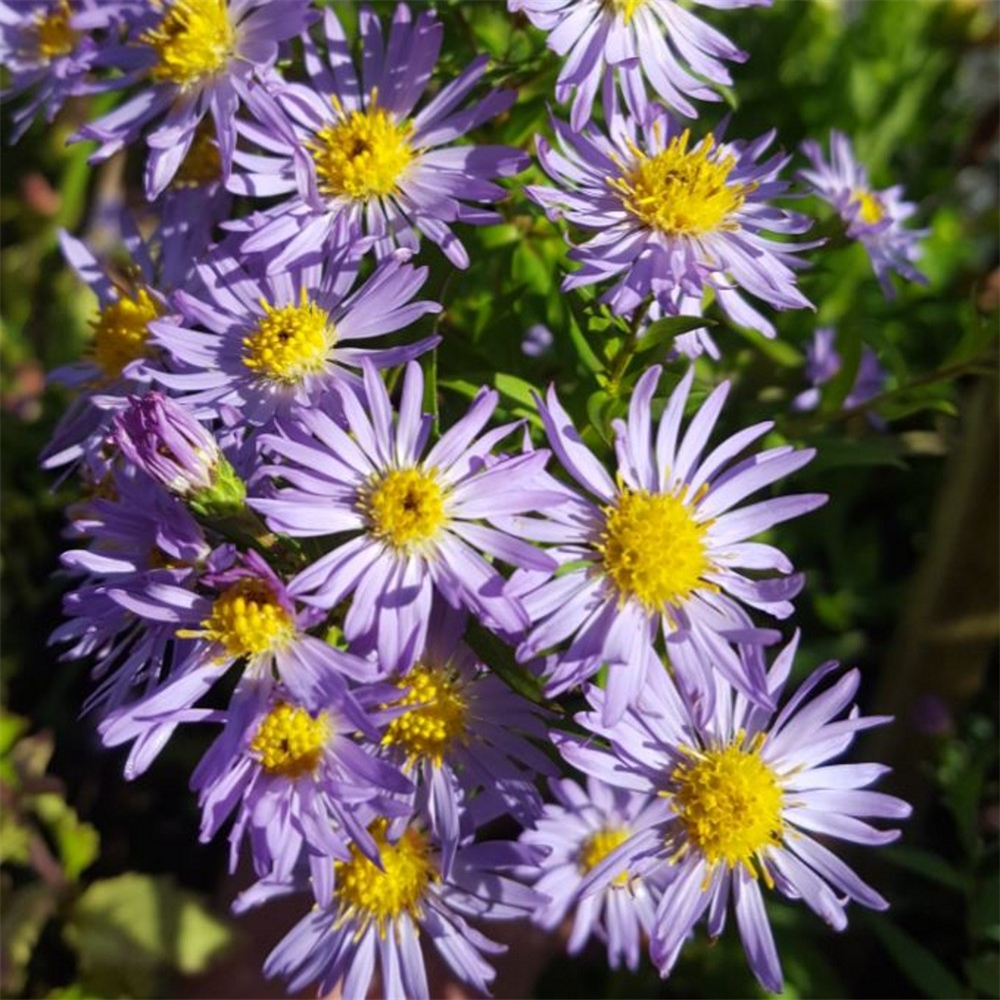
(455, 672)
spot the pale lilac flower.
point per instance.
(409, 517)
(362, 169)
(192, 58)
(823, 362)
(266, 344)
(675, 218)
(369, 916)
(662, 546)
(748, 789)
(50, 47)
(572, 836)
(295, 776)
(629, 43)
(874, 218)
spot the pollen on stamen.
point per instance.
(370, 894)
(289, 741)
(194, 40)
(405, 507)
(289, 342)
(54, 36)
(652, 549)
(121, 332)
(681, 192)
(362, 155)
(729, 802)
(247, 620)
(870, 211)
(598, 846)
(435, 718)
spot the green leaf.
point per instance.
(923, 969)
(12, 727)
(25, 913)
(499, 657)
(78, 843)
(663, 331)
(520, 391)
(932, 866)
(529, 268)
(130, 932)
(584, 351)
(983, 973)
(430, 402)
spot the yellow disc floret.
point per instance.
(405, 507)
(121, 331)
(203, 163)
(682, 193)
(193, 41)
(652, 549)
(289, 741)
(729, 802)
(369, 894)
(626, 8)
(248, 620)
(289, 342)
(53, 34)
(436, 720)
(871, 211)
(363, 155)
(598, 846)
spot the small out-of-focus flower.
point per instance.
(537, 340)
(875, 218)
(629, 43)
(360, 168)
(823, 363)
(675, 218)
(932, 716)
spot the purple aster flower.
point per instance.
(874, 218)
(674, 222)
(295, 776)
(822, 364)
(137, 537)
(383, 914)
(629, 43)
(49, 46)
(748, 789)
(265, 344)
(360, 167)
(194, 58)
(462, 732)
(574, 835)
(411, 521)
(665, 546)
(251, 619)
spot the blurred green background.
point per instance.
(105, 890)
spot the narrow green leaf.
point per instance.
(499, 657)
(931, 866)
(923, 969)
(663, 331)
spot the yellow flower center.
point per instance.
(289, 342)
(406, 507)
(436, 720)
(369, 894)
(626, 8)
(363, 155)
(729, 802)
(53, 34)
(682, 193)
(598, 846)
(121, 331)
(248, 620)
(203, 163)
(290, 741)
(193, 41)
(871, 208)
(652, 549)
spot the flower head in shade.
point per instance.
(411, 518)
(358, 163)
(266, 344)
(665, 545)
(461, 733)
(50, 47)
(575, 834)
(675, 218)
(248, 618)
(748, 790)
(874, 218)
(382, 915)
(295, 776)
(823, 362)
(194, 58)
(630, 43)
